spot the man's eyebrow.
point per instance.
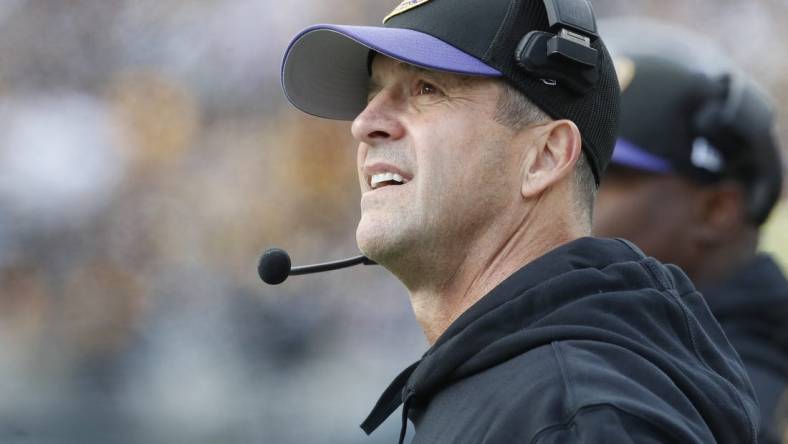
(374, 86)
(413, 69)
(416, 69)
(443, 77)
(431, 73)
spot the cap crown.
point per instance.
(491, 31)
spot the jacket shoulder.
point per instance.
(605, 423)
(606, 380)
(562, 389)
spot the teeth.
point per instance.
(379, 178)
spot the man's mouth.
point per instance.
(380, 175)
(381, 180)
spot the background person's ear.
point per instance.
(721, 212)
(554, 154)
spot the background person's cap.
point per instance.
(325, 69)
(678, 120)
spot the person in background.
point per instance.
(695, 173)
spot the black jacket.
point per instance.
(591, 343)
(752, 307)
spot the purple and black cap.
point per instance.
(547, 49)
(677, 119)
(630, 155)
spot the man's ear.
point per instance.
(552, 157)
(721, 212)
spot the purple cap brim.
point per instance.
(324, 71)
(630, 155)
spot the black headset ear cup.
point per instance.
(736, 116)
(532, 55)
(564, 55)
(709, 116)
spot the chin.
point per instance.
(381, 242)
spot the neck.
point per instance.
(718, 265)
(485, 264)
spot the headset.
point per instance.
(565, 53)
(739, 121)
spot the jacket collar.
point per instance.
(442, 363)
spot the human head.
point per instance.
(525, 45)
(696, 169)
(470, 172)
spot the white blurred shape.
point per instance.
(192, 383)
(224, 50)
(59, 158)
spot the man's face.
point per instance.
(434, 166)
(653, 211)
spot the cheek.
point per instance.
(458, 166)
(463, 163)
(625, 211)
(651, 217)
(361, 156)
(465, 187)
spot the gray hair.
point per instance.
(515, 110)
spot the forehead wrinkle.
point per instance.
(445, 77)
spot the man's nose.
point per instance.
(379, 122)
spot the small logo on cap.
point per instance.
(404, 6)
(705, 156)
(625, 69)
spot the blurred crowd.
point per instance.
(147, 158)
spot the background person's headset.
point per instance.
(738, 120)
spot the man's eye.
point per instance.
(425, 88)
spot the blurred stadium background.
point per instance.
(147, 157)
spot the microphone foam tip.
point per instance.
(274, 266)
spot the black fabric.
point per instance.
(535, 55)
(491, 30)
(592, 342)
(752, 307)
(660, 103)
(458, 23)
